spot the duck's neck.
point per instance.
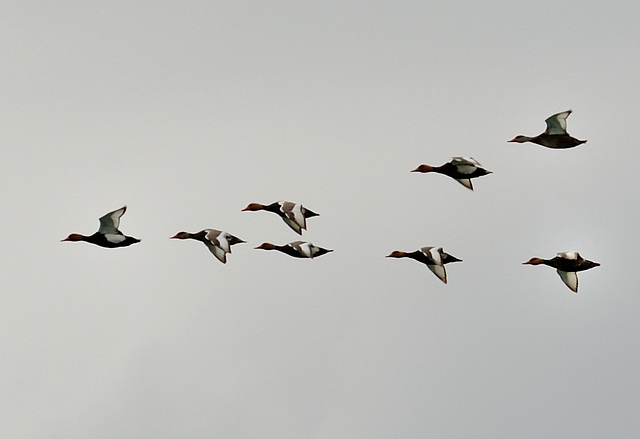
(273, 207)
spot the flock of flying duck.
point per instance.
(462, 169)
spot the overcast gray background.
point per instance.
(188, 111)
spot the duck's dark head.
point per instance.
(520, 139)
(253, 207)
(534, 261)
(266, 246)
(397, 254)
(423, 169)
(73, 237)
(181, 235)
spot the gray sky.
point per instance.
(188, 111)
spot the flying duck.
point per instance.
(462, 169)
(218, 242)
(432, 257)
(567, 265)
(555, 136)
(295, 215)
(108, 234)
(297, 249)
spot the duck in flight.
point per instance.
(567, 264)
(293, 214)
(461, 169)
(218, 242)
(297, 249)
(433, 257)
(108, 234)
(555, 136)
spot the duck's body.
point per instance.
(108, 234)
(567, 264)
(555, 136)
(462, 169)
(293, 214)
(218, 242)
(296, 249)
(433, 257)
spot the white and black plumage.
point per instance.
(462, 169)
(293, 214)
(567, 264)
(433, 257)
(108, 234)
(297, 249)
(218, 242)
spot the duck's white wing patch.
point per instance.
(465, 165)
(439, 271)
(557, 124)
(293, 216)
(110, 222)
(570, 278)
(218, 245)
(218, 253)
(296, 216)
(219, 239)
(115, 238)
(569, 255)
(308, 249)
(305, 249)
(465, 161)
(314, 249)
(293, 224)
(466, 182)
(466, 169)
(435, 254)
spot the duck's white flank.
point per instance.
(115, 238)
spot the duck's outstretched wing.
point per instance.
(465, 182)
(294, 216)
(465, 161)
(557, 124)
(570, 278)
(110, 222)
(218, 244)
